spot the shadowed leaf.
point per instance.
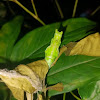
(8, 35)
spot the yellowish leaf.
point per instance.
(27, 71)
(17, 93)
(69, 47)
(88, 46)
(40, 67)
(57, 87)
(25, 78)
(29, 96)
(39, 97)
(16, 80)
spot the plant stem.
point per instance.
(75, 6)
(28, 11)
(64, 96)
(44, 87)
(98, 8)
(29, 96)
(75, 96)
(59, 9)
(34, 7)
(48, 98)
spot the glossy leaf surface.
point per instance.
(33, 42)
(90, 91)
(76, 29)
(8, 35)
(73, 72)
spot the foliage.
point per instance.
(74, 72)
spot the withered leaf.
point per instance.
(25, 78)
(27, 71)
(17, 93)
(29, 96)
(57, 87)
(88, 46)
(14, 79)
(69, 47)
(39, 97)
(40, 67)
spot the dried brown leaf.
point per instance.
(29, 96)
(70, 46)
(17, 93)
(14, 79)
(27, 71)
(57, 87)
(39, 97)
(40, 67)
(88, 46)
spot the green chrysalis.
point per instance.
(52, 51)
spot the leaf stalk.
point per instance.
(64, 96)
(97, 9)
(33, 5)
(59, 9)
(75, 96)
(75, 6)
(28, 11)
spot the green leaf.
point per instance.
(8, 35)
(12, 98)
(39, 53)
(34, 41)
(3, 92)
(76, 29)
(73, 72)
(90, 91)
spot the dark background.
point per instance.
(48, 11)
